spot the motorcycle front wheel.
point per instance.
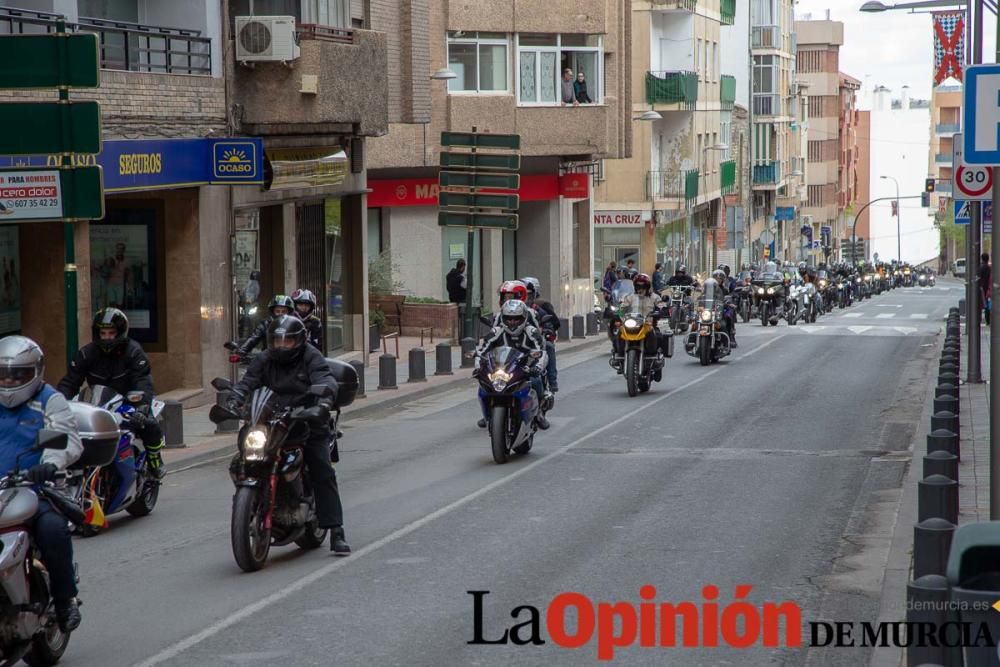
(745, 311)
(631, 372)
(251, 541)
(705, 351)
(763, 314)
(146, 502)
(498, 433)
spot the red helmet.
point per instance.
(642, 281)
(515, 289)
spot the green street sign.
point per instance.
(33, 195)
(50, 61)
(468, 219)
(480, 161)
(465, 200)
(36, 128)
(477, 140)
(457, 179)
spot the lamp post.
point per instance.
(857, 216)
(899, 214)
(648, 116)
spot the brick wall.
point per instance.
(386, 17)
(136, 104)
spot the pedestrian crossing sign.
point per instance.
(963, 212)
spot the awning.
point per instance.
(286, 168)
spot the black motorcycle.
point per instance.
(743, 296)
(769, 294)
(708, 340)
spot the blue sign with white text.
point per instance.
(784, 213)
(981, 114)
(151, 164)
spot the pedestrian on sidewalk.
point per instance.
(608, 280)
(986, 286)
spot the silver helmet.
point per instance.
(534, 286)
(22, 370)
(514, 317)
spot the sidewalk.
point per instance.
(201, 443)
(974, 467)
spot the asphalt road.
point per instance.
(776, 468)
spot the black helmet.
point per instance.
(110, 319)
(681, 270)
(305, 296)
(629, 274)
(286, 339)
(282, 301)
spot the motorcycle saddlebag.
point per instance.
(347, 381)
(99, 433)
(669, 335)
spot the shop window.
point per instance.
(479, 60)
(126, 270)
(10, 275)
(542, 60)
(375, 240)
(336, 276)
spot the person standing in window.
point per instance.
(580, 90)
(568, 88)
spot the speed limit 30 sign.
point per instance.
(971, 181)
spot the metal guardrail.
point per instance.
(675, 184)
(767, 174)
(131, 47)
(947, 128)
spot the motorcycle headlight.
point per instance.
(858, 280)
(706, 315)
(254, 445)
(678, 294)
(631, 323)
(499, 378)
(822, 284)
(868, 278)
(252, 311)
(760, 290)
(770, 290)
(840, 285)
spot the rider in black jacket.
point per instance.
(280, 305)
(114, 360)
(305, 309)
(289, 368)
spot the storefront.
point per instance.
(155, 254)
(618, 237)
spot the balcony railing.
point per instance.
(767, 105)
(728, 169)
(765, 37)
(948, 128)
(767, 173)
(728, 11)
(672, 88)
(673, 184)
(688, 5)
(728, 94)
(943, 158)
(132, 47)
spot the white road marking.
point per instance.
(249, 610)
(858, 330)
(853, 315)
(885, 316)
(918, 316)
(906, 331)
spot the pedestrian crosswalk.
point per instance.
(883, 316)
(834, 330)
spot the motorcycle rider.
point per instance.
(680, 278)
(649, 304)
(289, 367)
(729, 309)
(517, 332)
(305, 309)
(27, 405)
(545, 314)
(280, 305)
(114, 360)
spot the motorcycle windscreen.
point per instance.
(100, 396)
(502, 356)
(711, 294)
(622, 289)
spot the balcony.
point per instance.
(272, 98)
(728, 11)
(728, 169)
(943, 187)
(728, 95)
(767, 173)
(685, 5)
(765, 37)
(672, 184)
(948, 128)
(768, 105)
(943, 158)
(679, 88)
(129, 47)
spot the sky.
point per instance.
(892, 48)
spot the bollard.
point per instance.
(387, 372)
(927, 604)
(359, 368)
(937, 498)
(948, 378)
(961, 308)
(230, 425)
(953, 311)
(931, 543)
(563, 328)
(173, 424)
(946, 389)
(578, 326)
(941, 462)
(945, 420)
(946, 404)
(468, 353)
(442, 359)
(953, 358)
(943, 440)
(418, 366)
(592, 321)
(947, 366)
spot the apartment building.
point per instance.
(833, 139)
(496, 68)
(665, 202)
(946, 114)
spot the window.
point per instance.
(334, 13)
(479, 61)
(543, 59)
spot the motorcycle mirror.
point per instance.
(230, 345)
(219, 414)
(222, 384)
(49, 439)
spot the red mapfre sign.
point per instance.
(424, 191)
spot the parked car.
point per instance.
(958, 268)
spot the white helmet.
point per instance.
(514, 317)
(534, 286)
(22, 370)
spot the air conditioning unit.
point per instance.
(266, 39)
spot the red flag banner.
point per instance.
(949, 45)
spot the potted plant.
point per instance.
(376, 320)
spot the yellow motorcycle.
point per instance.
(637, 351)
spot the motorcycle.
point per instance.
(769, 293)
(708, 341)
(827, 290)
(931, 279)
(122, 483)
(679, 308)
(637, 353)
(509, 401)
(28, 626)
(743, 295)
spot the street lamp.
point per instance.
(648, 116)
(874, 6)
(443, 74)
(899, 214)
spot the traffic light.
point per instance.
(925, 199)
(929, 185)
